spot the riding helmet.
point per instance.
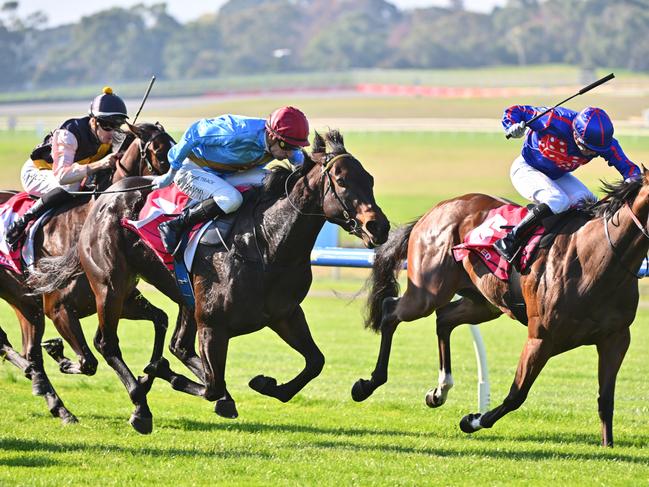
(108, 106)
(290, 125)
(593, 128)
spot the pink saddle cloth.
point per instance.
(10, 211)
(162, 205)
(480, 240)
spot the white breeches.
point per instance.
(37, 181)
(559, 194)
(201, 184)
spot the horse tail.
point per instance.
(383, 282)
(52, 273)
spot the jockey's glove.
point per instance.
(516, 131)
(164, 180)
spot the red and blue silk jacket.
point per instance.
(550, 146)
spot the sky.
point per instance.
(69, 11)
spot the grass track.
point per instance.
(322, 437)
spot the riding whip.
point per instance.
(146, 95)
(595, 84)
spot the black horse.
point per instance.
(145, 153)
(260, 281)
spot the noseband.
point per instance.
(644, 232)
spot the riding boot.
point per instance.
(509, 246)
(171, 231)
(50, 200)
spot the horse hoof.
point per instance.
(262, 384)
(432, 401)
(361, 390)
(142, 425)
(158, 368)
(67, 417)
(54, 348)
(471, 423)
(226, 408)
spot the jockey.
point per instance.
(216, 154)
(78, 148)
(557, 144)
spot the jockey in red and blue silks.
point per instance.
(557, 144)
(217, 154)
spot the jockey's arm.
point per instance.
(616, 157)
(296, 158)
(522, 113)
(179, 152)
(64, 147)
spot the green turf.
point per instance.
(322, 437)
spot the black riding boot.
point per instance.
(53, 199)
(511, 244)
(172, 230)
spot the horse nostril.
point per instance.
(371, 227)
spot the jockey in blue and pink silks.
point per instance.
(557, 144)
(217, 154)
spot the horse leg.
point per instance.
(32, 333)
(182, 343)
(535, 355)
(109, 309)
(65, 318)
(415, 303)
(611, 352)
(469, 309)
(137, 307)
(295, 332)
(213, 345)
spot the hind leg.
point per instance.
(183, 340)
(535, 355)
(137, 307)
(32, 332)
(611, 353)
(414, 304)
(471, 309)
(63, 313)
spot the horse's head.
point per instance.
(348, 198)
(147, 155)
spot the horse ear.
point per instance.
(134, 129)
(159, 126)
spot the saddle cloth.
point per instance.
(166, 203)
(10, 211)
(480, 240)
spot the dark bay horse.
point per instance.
(583, 290)
(145, 155)
(260, 281)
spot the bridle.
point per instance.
(144, 150)
(349, 223)
(644, 232)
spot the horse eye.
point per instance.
(340, 182)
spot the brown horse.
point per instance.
(145, 155)
(260, 281)
(581, 291)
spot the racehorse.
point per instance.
(145, 155)
(260, 281)
(581, 291)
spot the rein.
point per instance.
(144, 156)
(644, 232)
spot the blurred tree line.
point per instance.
(262, 36)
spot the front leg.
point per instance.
(213, 345)
(294, 331)
(611, 352)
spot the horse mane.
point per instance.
(617, 194)
(277, 182)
